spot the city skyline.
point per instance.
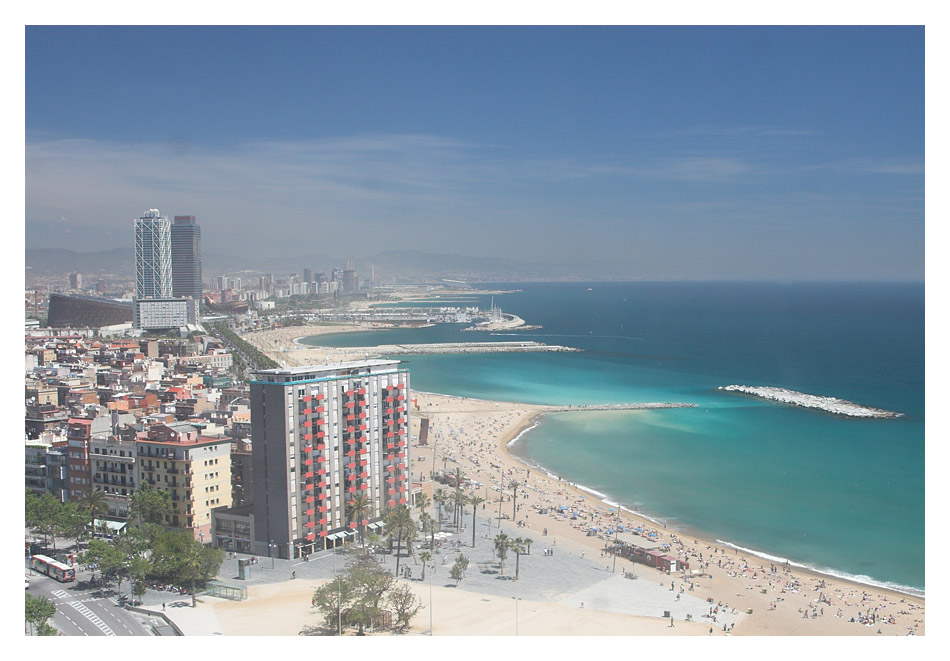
(697, 153)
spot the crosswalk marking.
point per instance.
(61, 594)
(92, 617)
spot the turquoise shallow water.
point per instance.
(839, 494)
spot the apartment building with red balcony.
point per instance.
(322, 435)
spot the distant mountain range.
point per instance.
(389, 266)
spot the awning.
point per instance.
(336, 535)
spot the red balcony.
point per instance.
(309, 512)
(308, 448)
(307, 411)
(319, 397)
(390, 411)
(391, 480)
(311, 536)
(391, 503)
(321, 460)
(351, 490)
(308, 462)
(322, 471)
(306, 398)
(402, 501)
(321, 409)
(363, 426)
(307, 423)
(349, 393)
(322, 484)
(389, 400)
(390, 434)
(308, 436)
(363, 450)
(308, 499)
(362, 462)
(309, 524)
(351, 465)
(323, 522)
(323, 508)
(361, 391)
(321, 446)
(308, 475)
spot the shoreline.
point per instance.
(691, 530)
(496, 426)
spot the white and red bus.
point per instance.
(53, 568)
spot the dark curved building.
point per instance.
(87, 311)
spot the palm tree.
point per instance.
(93, 502)
(527, 545)
(514, 503)
(192, 561)
(398, 521)
(425, 556)
(461, 500)
(475, 501)
(423, 501)
(502, 544)
(518, 545)
(359, 508)
(440, 496)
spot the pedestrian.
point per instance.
(293, 574)
(710, 631)
(163, 605)
(671, 621)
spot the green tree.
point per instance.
(70, 522)
(330, 600)
(44, 514)
(475, 501)
(502, 544)
(149, 505)
(458, 569)
(370, 582)
(38, 610)
(405, 604)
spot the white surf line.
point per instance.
(92, 617)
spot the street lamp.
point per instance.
(270, 552)
(432, 569)
(517, 599)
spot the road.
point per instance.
(81, 612)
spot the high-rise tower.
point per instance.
(322, 436)
(153, 256)
(186, 257)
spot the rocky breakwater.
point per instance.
(468, 347)
(828, 404)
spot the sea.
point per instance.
(840, 495)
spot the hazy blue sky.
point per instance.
(769, 152)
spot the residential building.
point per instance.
(321, 435)
(112, 465)
(194, 470)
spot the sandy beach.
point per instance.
(761, 598)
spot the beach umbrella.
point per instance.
(611, 510)
(610, 531)
(595, 529)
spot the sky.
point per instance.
(655, 152)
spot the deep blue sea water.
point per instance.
(838, 494)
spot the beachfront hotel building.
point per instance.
(321, 435)
(186, 258)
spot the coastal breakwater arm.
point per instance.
(828, 404)
(621, 407)
(466, 347)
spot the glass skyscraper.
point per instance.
(153, 256)
(186, 258)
